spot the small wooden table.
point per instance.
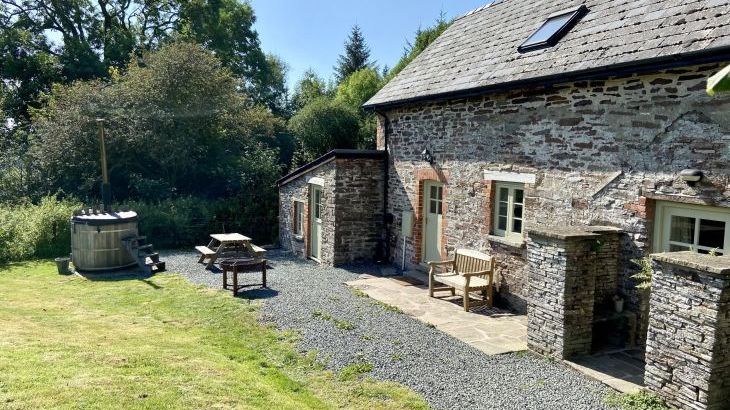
(241, 265)
(226, 243)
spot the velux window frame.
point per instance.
(576, 14)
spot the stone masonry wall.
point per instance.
(298, 189)
(359, 209)
(566, 273)
(688, 342)
(601, 152)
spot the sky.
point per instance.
(311, 33)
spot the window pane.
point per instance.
(517, 226)
(549, 28)
(682, 229)
(517, 212)
(440, 210)
(503, 209)
(502, 224)
(503, 194)
(440, 194)
(432, 207)
(712, 234)
(519, 196)
(433, 191)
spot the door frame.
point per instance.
(427, 184)
(314, 220)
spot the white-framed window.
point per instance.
(698, 228)
(509, 205)
(298, 222)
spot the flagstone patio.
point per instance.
(492, 331)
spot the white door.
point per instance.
(315, 218)
(433, 215)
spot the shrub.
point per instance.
(41, 231)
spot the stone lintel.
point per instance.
(561, 233)
(715, 265)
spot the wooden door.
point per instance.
(315, 231)
(433, 216)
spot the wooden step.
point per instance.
(145, 248)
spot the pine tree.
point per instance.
(356, 57)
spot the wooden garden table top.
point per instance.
(230, 237)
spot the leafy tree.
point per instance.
(309, 88)
(356, 56)
(358, 87)
(321, 126)
(175, 125)
(719, 82)
(424, 38)
(98, 35)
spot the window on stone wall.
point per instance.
(298, 222)
(509, 205)
(682, 227)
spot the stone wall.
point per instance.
(688, 343)
(298, 189)
(359, 209)
(601, 152)
(571, 273)
(352, 217)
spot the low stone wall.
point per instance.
(688, 341)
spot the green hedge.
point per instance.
(43, 231)
(40, 231)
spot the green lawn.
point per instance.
(67, 342)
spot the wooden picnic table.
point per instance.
(227, 243)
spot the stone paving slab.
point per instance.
(618, 370)
(492, 331)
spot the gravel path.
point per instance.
(345, 328)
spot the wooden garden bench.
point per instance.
(469, 271)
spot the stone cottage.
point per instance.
(566, 138)
(331, 209)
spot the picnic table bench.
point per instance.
(226, 243)
(469, 271)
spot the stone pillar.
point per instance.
(562, 274)
(688, 341)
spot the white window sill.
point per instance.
(515, 243)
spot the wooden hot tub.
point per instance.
(96, 240)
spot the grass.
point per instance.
(341, 324)
(390, 308)
(355, 370)
(157, 343)
(641, 400)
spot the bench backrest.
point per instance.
(469, 261)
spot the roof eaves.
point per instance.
(326, 158)
(707, 55)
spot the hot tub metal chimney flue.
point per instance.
(106, 195)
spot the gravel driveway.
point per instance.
(345, 328)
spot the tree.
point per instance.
(309, 88)
(175, 125)
(423, 39)
(99, 35)
(356, 56)
(321, 126)
(359, 87)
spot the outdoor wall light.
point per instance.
(691, 176)
(427, 156)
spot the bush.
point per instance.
(40, 231)
(188, 221)
(43, 230)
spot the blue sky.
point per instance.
(311, 33)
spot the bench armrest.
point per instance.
(434, 264)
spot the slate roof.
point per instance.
(479, 50)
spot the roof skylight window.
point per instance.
(553, 29)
